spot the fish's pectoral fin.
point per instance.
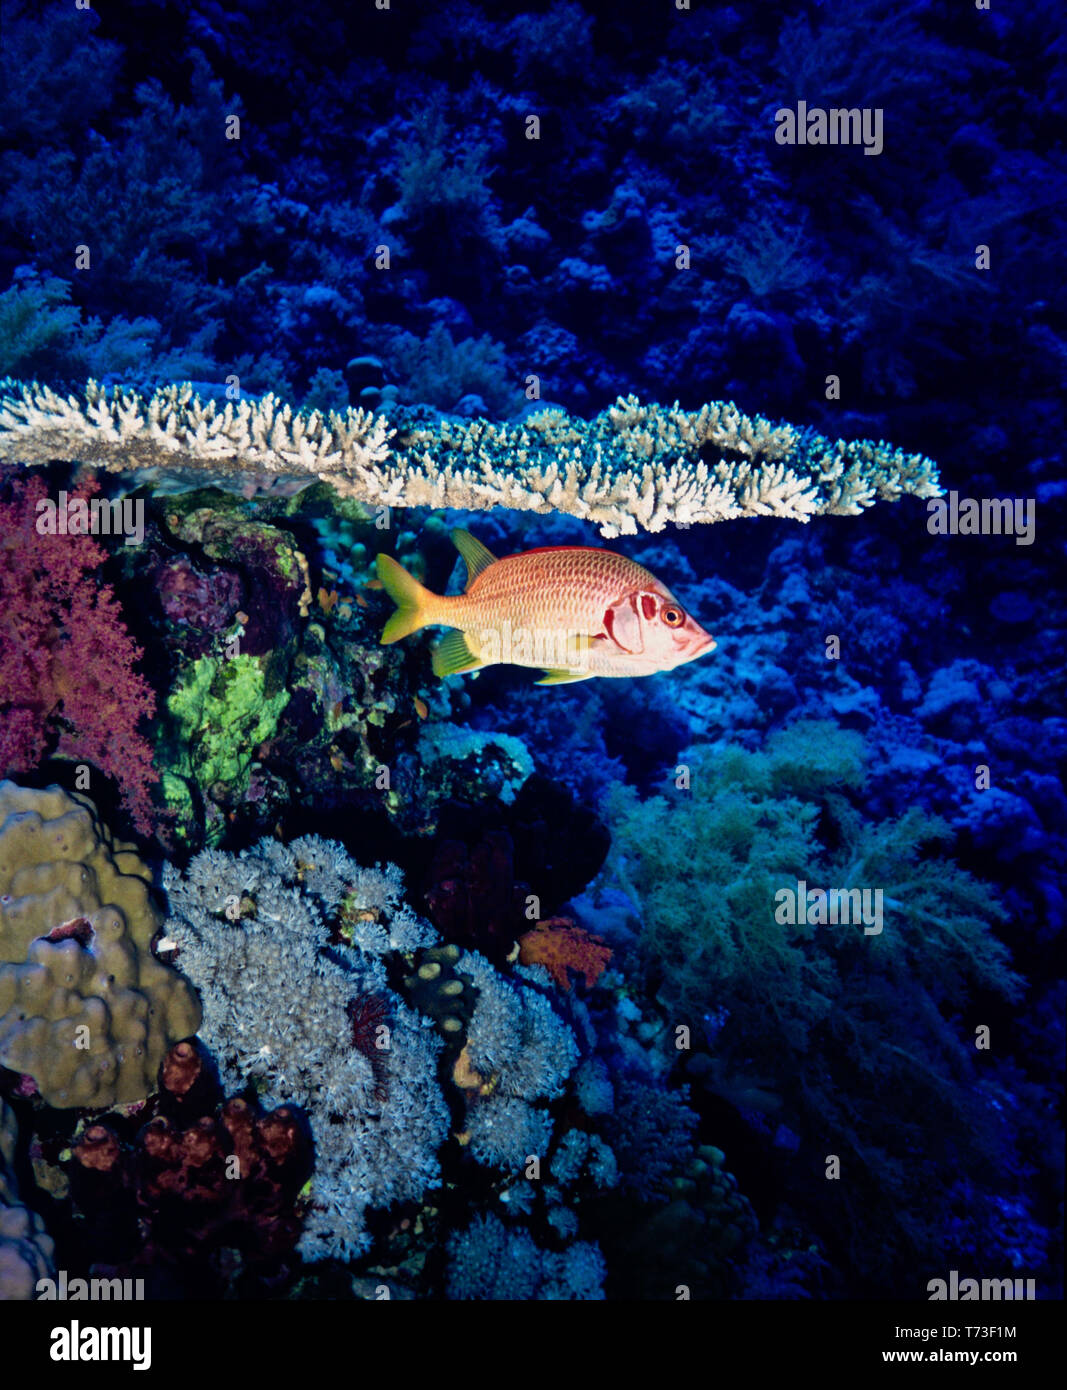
(476, 556)
(453, 654)
(563, 677)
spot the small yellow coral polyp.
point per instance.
(464, 1074)
(86, 1009)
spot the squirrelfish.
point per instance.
(574, 611)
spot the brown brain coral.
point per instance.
(86, 1009)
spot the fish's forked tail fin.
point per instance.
(411, 598)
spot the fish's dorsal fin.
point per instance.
(454, 653)
(478, 557)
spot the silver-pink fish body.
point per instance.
(574, 609)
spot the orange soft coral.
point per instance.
(559, 946)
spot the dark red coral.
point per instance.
(98, 1150)
(67, 679)
(370, 1014)
(78, 929)
(473, 898)
(182, 1068)
(191, 598)
(500, 868)
(177, 1194)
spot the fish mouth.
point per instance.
(706, 644)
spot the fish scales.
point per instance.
(568, 589)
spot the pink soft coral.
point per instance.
(66, 660)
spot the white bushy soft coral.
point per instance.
(325, 867)
(575, 1273)
(516, 1036)
(274, 858)
(492, 1261)
(592, 1086)
(216, 876)
(505, 1132)
(380, 888)
(275, 1000)
(516, 1033)
(581, 1154)
(378, 920)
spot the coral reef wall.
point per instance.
(87, 1011)
(327, 977)
(25, 1247)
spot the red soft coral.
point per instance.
(559, 946)
(66, 660)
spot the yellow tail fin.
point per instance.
(411, 599)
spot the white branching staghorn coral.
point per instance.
(247, 445)
(631, 467)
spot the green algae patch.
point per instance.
(221, 711)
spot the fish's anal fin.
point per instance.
(454, 654)
(477, 556)
(563, 677)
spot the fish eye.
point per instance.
(673, 616)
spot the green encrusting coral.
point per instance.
(863, 1041)
(222, 710)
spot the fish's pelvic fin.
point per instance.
(454, 654)
(477, 556)
(563, 677)
(409, 596)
